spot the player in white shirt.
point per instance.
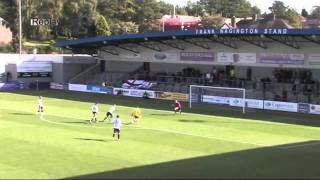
(116, 126)
(40, 105)
(95, 111)
(110, 112)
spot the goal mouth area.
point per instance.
(231, 97)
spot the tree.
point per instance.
(9, 12)
(212, 21)
(287, 13)
(316, 13)
(227, 8)
(102, 26)
(304, 13)
(125, 27)
(293, 17)
(256, 11)
(279, 9)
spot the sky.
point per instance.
(264, 4)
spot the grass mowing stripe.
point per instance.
(177, 132)
(193, 114)
(300, 145)
(163, 130)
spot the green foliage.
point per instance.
(293, 17)
(125, 27)
(304, 13)
(227, 8)
(284, 12)
(316, 13)
(102, 26)
(279, 9)
(212, 21)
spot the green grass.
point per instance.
(225, 144)
(37, 43)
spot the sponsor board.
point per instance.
(197, 56)
(273, 58)
(245, 58)
(172, 96)
(31, 66)
(250, 103)
(77, 87)
(303, 108)
(133, 92)
(140, 93)
(161, 56)
(34, 74)
(30, 69)
(99, 89)
(314, 59)
(121, 91)
(195, 98)
(281, 106)
(215, 99)
(11, 86)
(54, 85)
(314, 109)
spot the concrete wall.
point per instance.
(128, 61)
(64, 67)
(122, 66)
(147, 55)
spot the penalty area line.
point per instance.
(64, 124)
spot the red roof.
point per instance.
(180, 20)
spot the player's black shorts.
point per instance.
(109, 114)
(177, 108)
(116, 130)
(136, 117)
(94, 113)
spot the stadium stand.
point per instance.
(175, 60)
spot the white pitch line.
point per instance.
(163, 130)
(65, 124)
(300, 145)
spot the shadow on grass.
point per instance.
(163, 114)
(298, 161)
(223, 111)
(23, 114)
(77, 122)
(91, 139)
(192, 121)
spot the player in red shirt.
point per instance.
(177, 106)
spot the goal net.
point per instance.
(217, 95)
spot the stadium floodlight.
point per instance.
(216, 95)
(20, 29)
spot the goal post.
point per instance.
(216, 95)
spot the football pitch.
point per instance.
(207, 142)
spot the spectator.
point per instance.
(249, 72)
(277, 97)
(207, 78)
(284, 95)
(8, 76)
